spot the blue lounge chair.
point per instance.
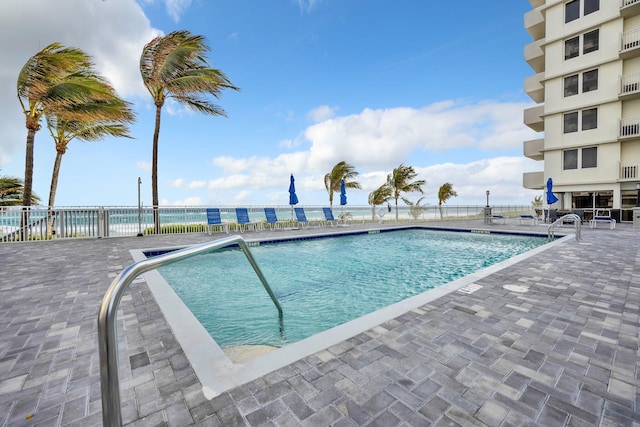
(528, 219)
(244, 223)
(272, 218)
(498, 219)
(214, 221)
(602, 216)
(331, 220)
(301, 217)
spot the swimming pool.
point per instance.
(322, 283)
(218, 371)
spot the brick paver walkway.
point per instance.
(563, 353)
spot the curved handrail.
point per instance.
(577, 221)
(107, 328)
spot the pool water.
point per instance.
(322, 283)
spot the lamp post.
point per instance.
(139, 210)
(487, 198)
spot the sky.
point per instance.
(435, 85)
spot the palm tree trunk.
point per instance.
(396, 209)
(154, 173)
(440, 208)
(28, 183)
(52, 191)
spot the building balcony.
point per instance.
(630, 8)
(629, 86)
(534, 88)
(533, 180)
(533, 149)
(534, 24)
(536, 3)
(629, 128)
(629, 44)
(534, 55)
(533, 118)
(629, 171)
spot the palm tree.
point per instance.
(95, 120)
(445, 192)
(50, 81)
(401, 181)
(12, 191)
(175, 66)
(340, 171)
(377, 197)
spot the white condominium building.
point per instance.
(585, 56)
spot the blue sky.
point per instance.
(435, 85)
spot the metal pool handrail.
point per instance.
(577, 221)
(107, 328)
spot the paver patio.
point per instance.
(563, 353)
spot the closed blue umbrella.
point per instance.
(293, 199)
(343, 193)
(551, 198)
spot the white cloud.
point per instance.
(182, 184)
(307, 5)
(175, 8)
(189, 201)
(145, 166)
(96, 27)
(322, 113)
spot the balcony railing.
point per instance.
(629, 8)
(629, 43)
(630, 84)
(630, 127)
(629, 171)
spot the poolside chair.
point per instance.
(272, 219)
(331, 220)
(301, 218)
(528, 219)
(214, 221)
(244, 223)
(498, 219)
(602, 216)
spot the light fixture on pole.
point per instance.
(487, 198)
(139, 210)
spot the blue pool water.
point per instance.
(322, 283)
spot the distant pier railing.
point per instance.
(41, 223)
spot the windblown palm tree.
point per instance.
(94, 121)
(175, 66)
(445, 192)
(340, 171)
(377, 197)
(401, 181)
(51, 81)
(12, 190)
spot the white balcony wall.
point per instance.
(534, 88)
(533, 180)
(534, 24)
(630, 109)
(534, 55)
(533, 149)
(533, 118)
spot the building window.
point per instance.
(572, 48)
(571, 85)
(590, 41)
(590, 157)
(570, 159)
(571, 122)
(589, 81)
(571, 11)
(591, 6)
(589, 119)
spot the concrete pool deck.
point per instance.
(565, 352)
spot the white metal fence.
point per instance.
(40, 223)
